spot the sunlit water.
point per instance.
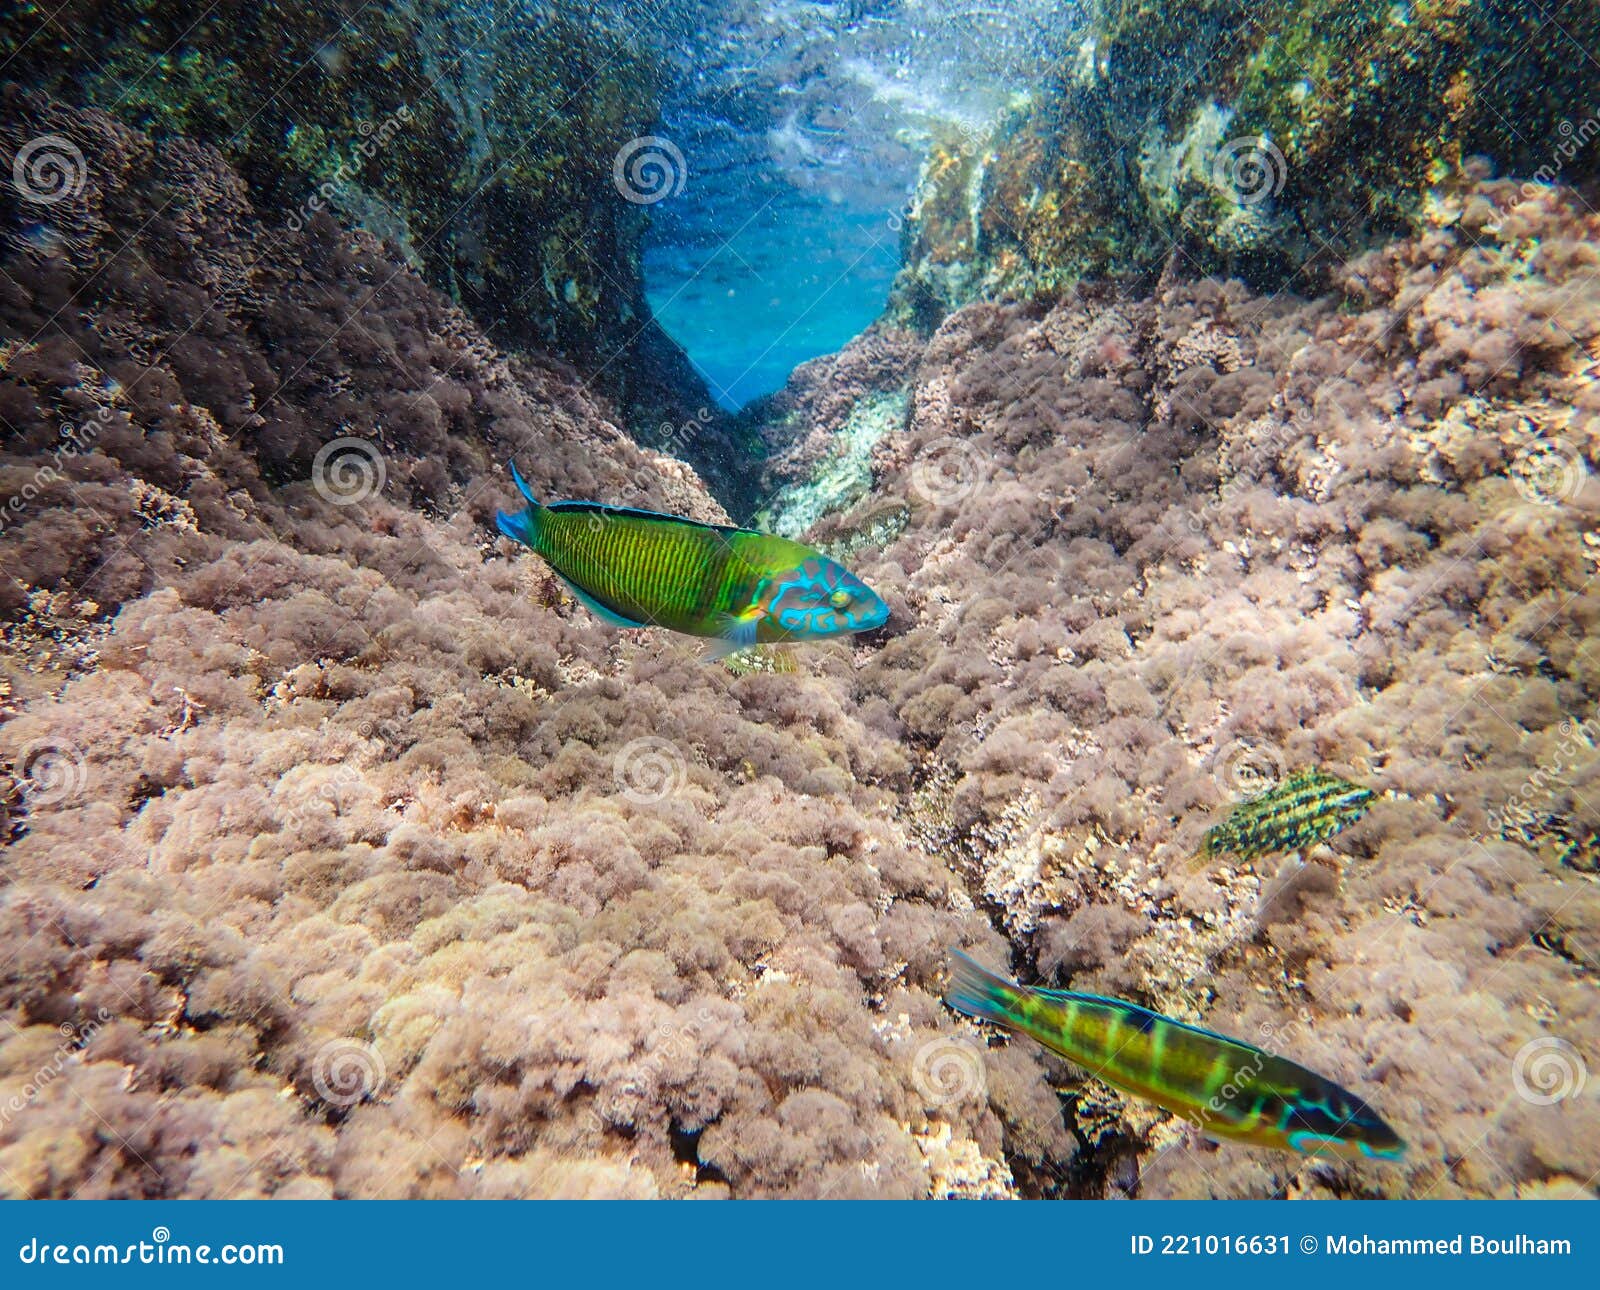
(802, 127)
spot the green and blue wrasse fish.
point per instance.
(1231, 1089)
(1308, 806)
(637, 568)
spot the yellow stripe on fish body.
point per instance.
(1232, 1089)
(638, 568)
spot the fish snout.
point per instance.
(873, 614)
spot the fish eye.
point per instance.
(839, 599)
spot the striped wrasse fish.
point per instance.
(637, 568)
(1231, 1089)
(1309, 806)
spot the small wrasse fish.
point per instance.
(1231, 1089)
(1309, 806)
(637, 568)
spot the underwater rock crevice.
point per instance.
(476, 148)
(398, 853)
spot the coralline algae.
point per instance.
(344, 855)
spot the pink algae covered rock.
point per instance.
(346, 855)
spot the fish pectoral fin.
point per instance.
(600, 611)
(735, 632)
(739, 630)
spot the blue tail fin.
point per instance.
(524, 525)
(979, 992)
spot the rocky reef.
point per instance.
(345, 855)
(1265, 141)
(814, 438)
(492, 146)
(1150, 552)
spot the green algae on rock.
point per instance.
(1271, 141)
(845, 475)
(479, 143)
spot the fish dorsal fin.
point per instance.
(635, 512)
(600, 611)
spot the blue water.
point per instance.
(801, 128)
(790, 284)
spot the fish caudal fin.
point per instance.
(523, 526)
(978, 992)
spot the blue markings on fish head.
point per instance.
(1344, 1125)
(820, 598)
